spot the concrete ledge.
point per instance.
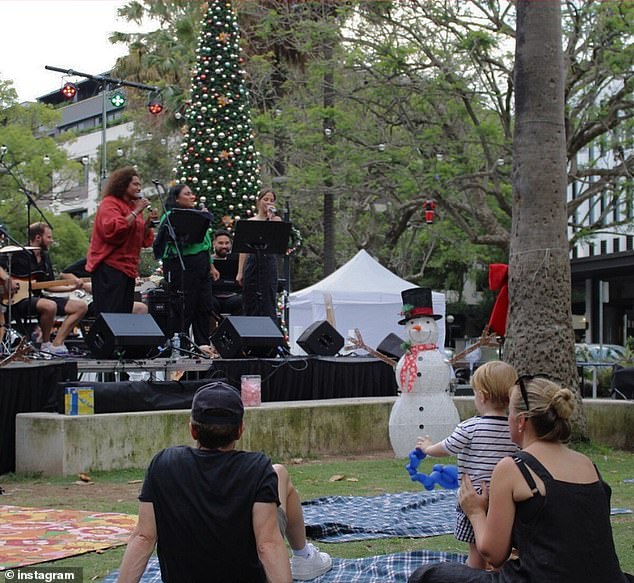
(610, 421)
(53, 444)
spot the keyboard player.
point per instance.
(227, 296)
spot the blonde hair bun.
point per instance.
(563, 403)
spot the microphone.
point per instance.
(272, 210)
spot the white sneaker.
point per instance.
(307, 568)
(60, 350)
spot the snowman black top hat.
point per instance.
(417, 301)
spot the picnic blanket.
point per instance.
(37, 535)
(395, 568)
(405, 514)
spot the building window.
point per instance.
(616, 244)
(78, 215)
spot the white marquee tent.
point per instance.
(365, 295)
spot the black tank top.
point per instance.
(564, 536)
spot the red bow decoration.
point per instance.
(410, 368)
(498, 280)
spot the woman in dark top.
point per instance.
(190, 291)
(259, 279)
(548, 501)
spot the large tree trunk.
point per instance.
(540, 337)
(329, 201)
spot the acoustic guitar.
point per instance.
(23, 290)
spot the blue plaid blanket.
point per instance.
(406, 514)
(395, 568)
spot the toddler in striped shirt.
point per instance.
(479, 442)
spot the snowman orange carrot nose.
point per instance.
(417, 327)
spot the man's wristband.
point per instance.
(135, 214)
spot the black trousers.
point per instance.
(190, 291)
(112, 290)
(227, 305)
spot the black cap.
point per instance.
(217, 404)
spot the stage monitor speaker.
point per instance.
(127, 336)
(254, 336)
(391, 347)
(321, 339)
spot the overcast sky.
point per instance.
(69, 34)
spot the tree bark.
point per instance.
(540, 336)
(329, 202)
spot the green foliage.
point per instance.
(23, 169)
(71, 239)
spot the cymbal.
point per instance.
(15, 249)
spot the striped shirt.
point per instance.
(480, 443)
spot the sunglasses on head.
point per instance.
(522, 379)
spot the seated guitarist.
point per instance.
(36, 264)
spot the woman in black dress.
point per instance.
(259, 282)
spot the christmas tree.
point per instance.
(218, 160)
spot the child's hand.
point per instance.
(423, 443)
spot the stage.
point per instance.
(38, 386)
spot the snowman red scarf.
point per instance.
(410, 367)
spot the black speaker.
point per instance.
(128, 336)
(391, 346)
(321, 339)
(238, 336)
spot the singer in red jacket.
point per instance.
(119, 233)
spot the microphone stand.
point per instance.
(8, 328)
(172, 236)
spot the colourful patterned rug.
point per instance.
(37, 535)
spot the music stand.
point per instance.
(260, 237)
(189, 225)
(264, 236)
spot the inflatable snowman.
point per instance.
(424, 406)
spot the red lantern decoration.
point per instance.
(430, 211)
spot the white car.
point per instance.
(599, 352)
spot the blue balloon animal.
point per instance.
(445, 476)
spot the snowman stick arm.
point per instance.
(358, 342)
(487, 339)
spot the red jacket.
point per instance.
(115, 242)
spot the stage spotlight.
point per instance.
(118, 99)
(155, 103)
(69, 90)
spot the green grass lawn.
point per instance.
(313, 478)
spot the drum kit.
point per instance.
(12, 344)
